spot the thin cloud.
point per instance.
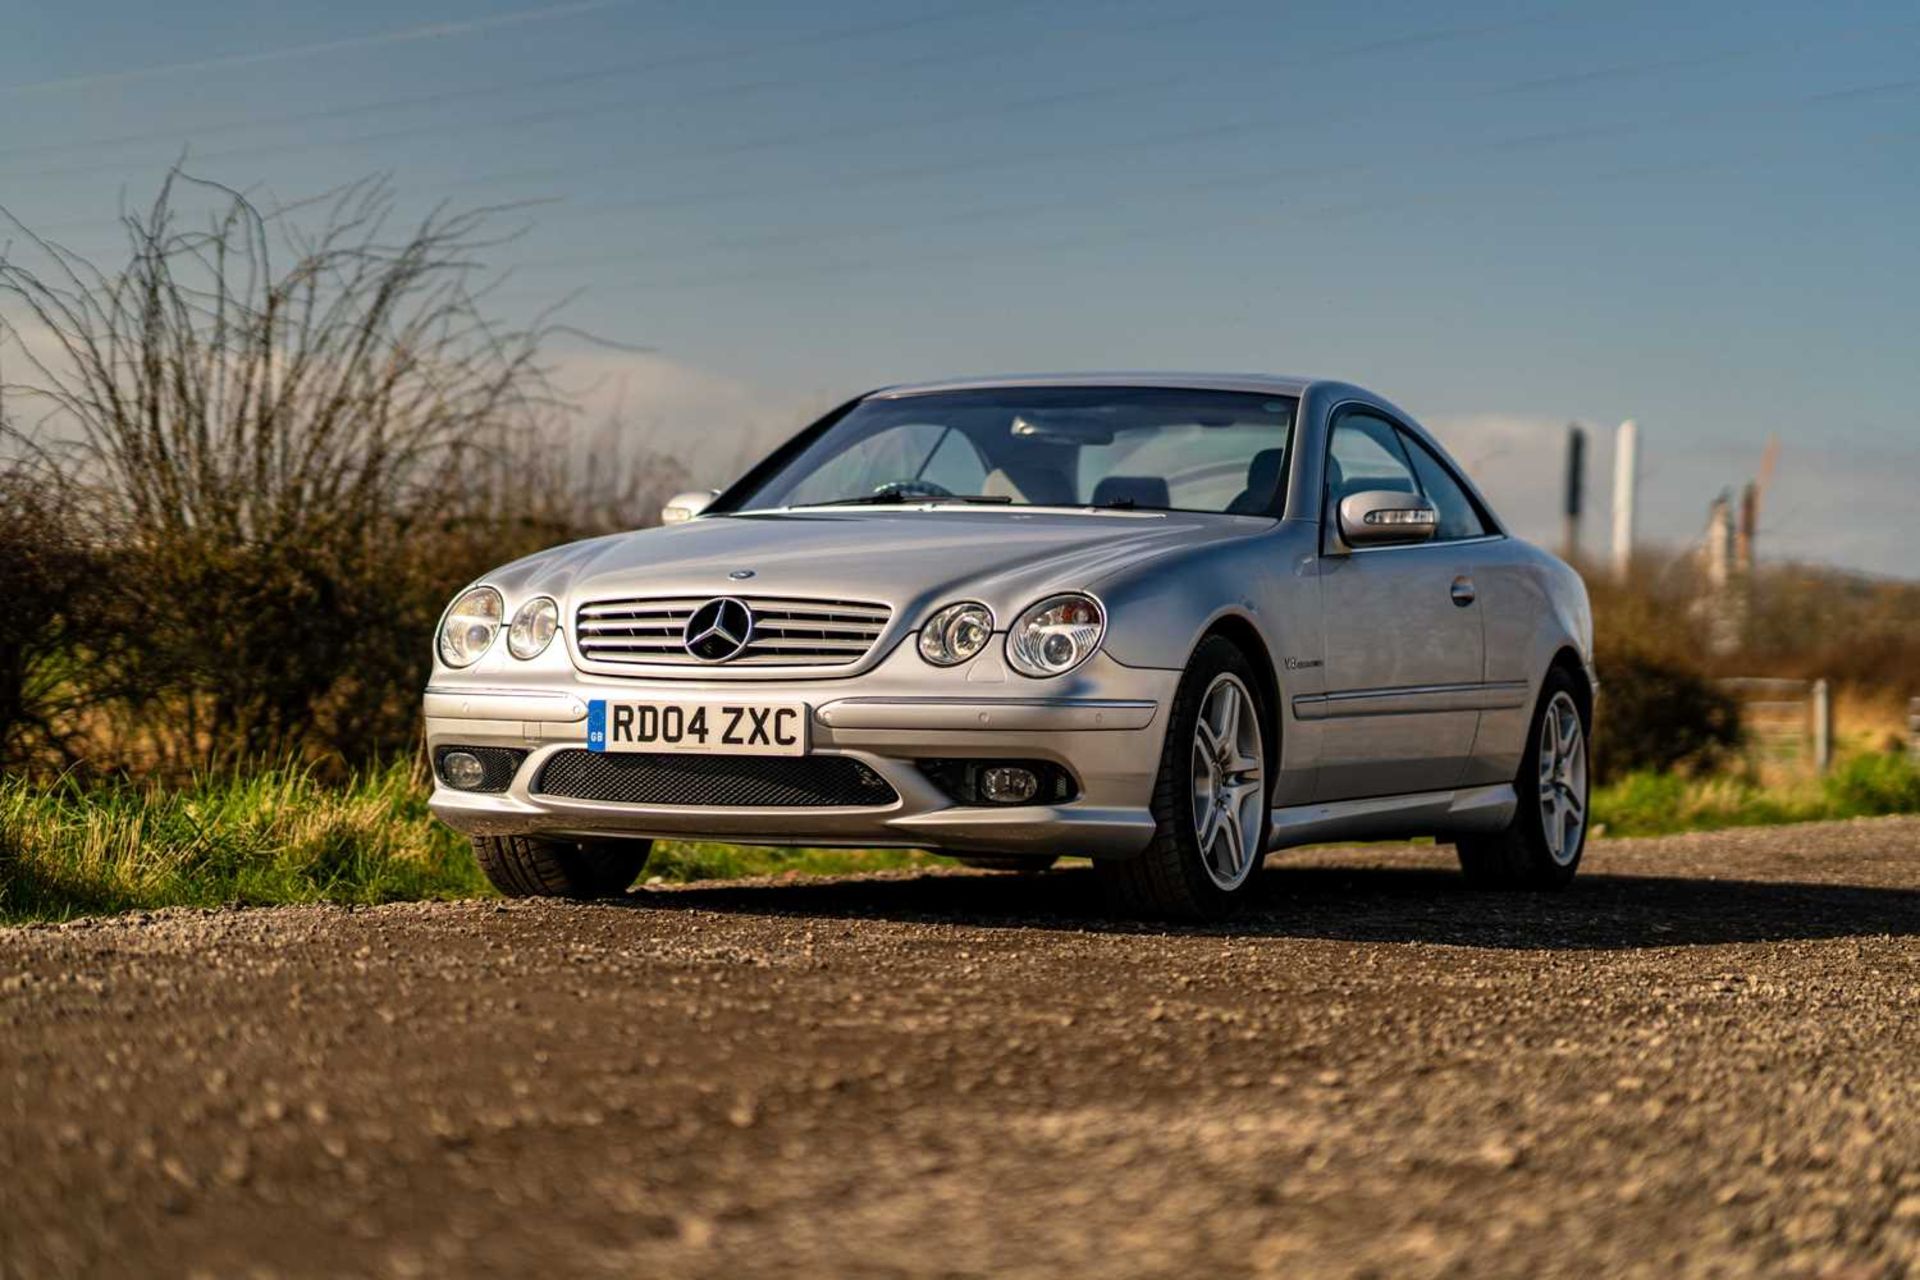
(408, 35)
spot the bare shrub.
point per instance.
(291, 446)
(47, 570)
(1860, 632)
(1662, 716)
(1659, 708)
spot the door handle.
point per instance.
(1462, 592)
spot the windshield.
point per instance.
(1141, 448)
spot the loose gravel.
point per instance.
(1703, 1060)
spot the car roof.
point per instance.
(1258, 382)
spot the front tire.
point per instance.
(544, 867)
(1541, 848)
(1210, 800)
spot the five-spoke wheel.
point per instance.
(1210, 800)
(1563, 778)
(1228, 776)
(1540, 848)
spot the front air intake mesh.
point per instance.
(721, 781)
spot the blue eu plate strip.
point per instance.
(597, 724)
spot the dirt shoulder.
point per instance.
(1704, 1059)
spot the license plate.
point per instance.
(710, 728)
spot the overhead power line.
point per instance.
(496, 89)
(1239, 180)
(550, 115)
(1264, 122)
(288, 53)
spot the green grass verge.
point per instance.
(276, 835)
(270, 836)
(1650, 804)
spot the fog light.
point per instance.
(1004, 784)
(462, 769)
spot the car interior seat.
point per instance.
(1138, 491)
(1033, 486)
(1263, 478)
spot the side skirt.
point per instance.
(1428, 813)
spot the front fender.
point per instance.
(1158, 610)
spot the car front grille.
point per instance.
(786, 632)
(724, 781)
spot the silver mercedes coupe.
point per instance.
(1171, 623)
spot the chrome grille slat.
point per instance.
(827, 615)
(686, 604)
(643, 645)
(786, 632)
(806, 646)
(811, 633)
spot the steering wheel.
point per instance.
(912, 489)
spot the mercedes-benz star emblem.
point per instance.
(719, 629)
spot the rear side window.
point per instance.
(1459, 518)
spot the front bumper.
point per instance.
(1102, 722)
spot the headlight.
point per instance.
(533, 627)
(1056, 635)
(956, 633)
(470, 627)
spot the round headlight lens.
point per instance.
(533, 627)
(470, 627)
(1056, 635)
(956, 633)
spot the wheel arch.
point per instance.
(1240, 631)
(1568, 659)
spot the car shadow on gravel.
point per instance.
(1360, 904)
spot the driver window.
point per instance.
(911, 453)
(1365, 454)
(1458, 517)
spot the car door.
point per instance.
(1404, 647)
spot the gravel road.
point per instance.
(1702, 1060)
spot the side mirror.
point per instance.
(1380, 518)
(682, 507)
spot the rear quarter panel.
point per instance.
(1532, 606)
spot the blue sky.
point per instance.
(1504, 215)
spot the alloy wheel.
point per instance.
(1229, 800)
(1563, 778)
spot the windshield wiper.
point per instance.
(904, 499)
(1124, 504)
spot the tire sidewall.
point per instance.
(1215, 656)
(1533, 834)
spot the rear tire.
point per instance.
(1210, 800)
(544, 867)
(1541, 848)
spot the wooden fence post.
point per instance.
(1822, 726)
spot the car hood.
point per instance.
(912, 559)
